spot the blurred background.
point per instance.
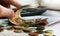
(52, 5)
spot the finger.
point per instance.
(10, 13)
(6, 12)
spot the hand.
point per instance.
(6, 12)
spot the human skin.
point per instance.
(5, 10)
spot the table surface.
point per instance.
(51, 13)
(55, 27)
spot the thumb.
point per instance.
(6, 12)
